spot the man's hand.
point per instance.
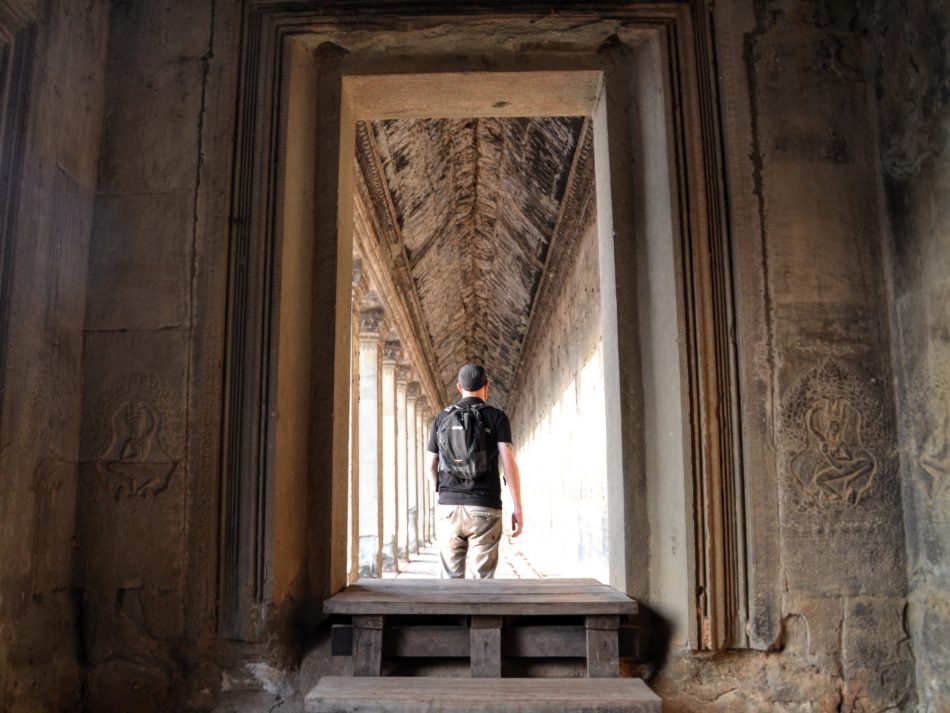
(517, 523)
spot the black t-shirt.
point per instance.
(484, 490)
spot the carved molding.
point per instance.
(719, 515)
(15, 15)
(16, 61)
(247, 465)
(379, 239)
(360, 284)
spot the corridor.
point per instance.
(475, 241)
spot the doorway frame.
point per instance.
(249, 554)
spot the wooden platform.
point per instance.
(496, 597)
(487, 607)
(338, 694)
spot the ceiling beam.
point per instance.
(384, 250)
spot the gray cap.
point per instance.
(472, 377)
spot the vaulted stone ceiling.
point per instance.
(477, 202)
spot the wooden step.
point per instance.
(342, 694)
(501, 597)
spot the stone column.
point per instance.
(433, 496)
(402, 468)
(424, 494)
(372, 331)
(391, 353)
(353, 485)
(413, 446)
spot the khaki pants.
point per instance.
(468, 530)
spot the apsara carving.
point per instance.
(834, 438)
(133, 458)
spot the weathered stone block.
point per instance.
(140, 262)
(877, 661)
(127, 686)
(68, 113)
(150, 133)
(150, 33)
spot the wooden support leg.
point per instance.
(485, 635)
(603, 647)
(367, 645)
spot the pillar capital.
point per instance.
(360, 286)
(413, 390)
(372, 323)
(392, 351)
(403, 372)
(422, 405)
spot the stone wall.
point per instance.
(132, 610)
(910, 46)
(557, 420)
(45, 258)
(144, 526)
(817, 403)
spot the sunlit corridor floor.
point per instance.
(512, 564)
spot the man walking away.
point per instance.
(467, 441)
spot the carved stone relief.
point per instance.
(835, 439)
(372, 322)
(134, 423)
(928, 403)
(934, 458)
(392, 350)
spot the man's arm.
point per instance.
(432, 468)
(508, 463)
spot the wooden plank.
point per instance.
(480, 597)
(338, 694)
(367, 645)
(544, 642)
(485, 646)
(603, 646)
(547, 641)
(427, 642)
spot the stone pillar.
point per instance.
(402, 468)
(413, 446)
(372, 331)
(353, 485)
(391, 353)
(425, 494)
(433, 496)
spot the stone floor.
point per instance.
(512, 563)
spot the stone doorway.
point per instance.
(475, 240)
(673, 463)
